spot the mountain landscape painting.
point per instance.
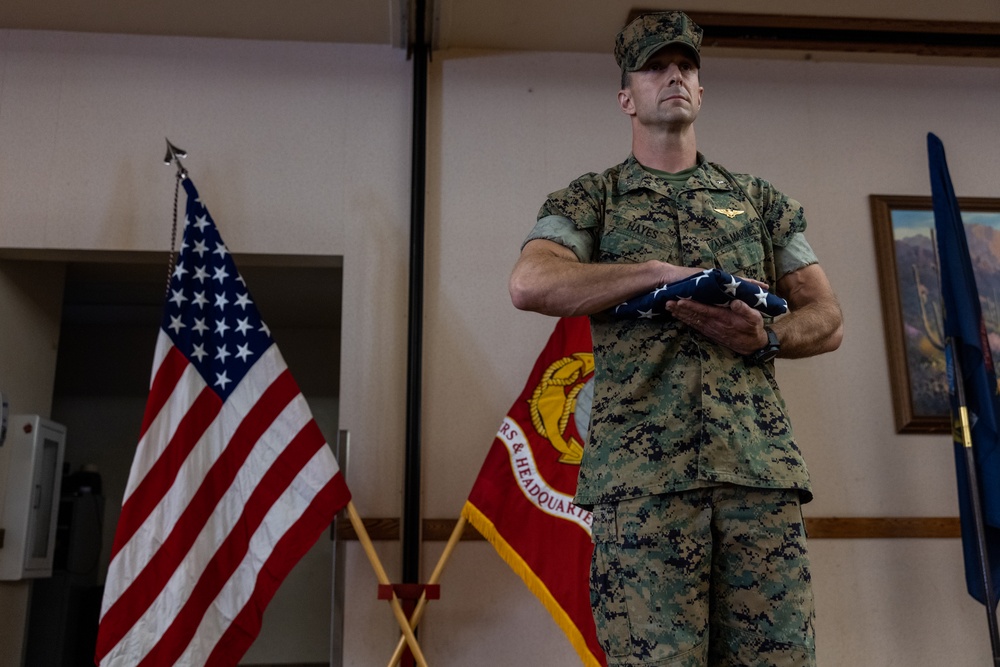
(918, 283)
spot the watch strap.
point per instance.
(769, 351)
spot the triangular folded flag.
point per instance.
(712, 286)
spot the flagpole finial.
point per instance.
(174, 154)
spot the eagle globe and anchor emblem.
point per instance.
(565, 391)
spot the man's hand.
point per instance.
(813, 325)
(736, 325)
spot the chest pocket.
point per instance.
(745, 258)
(739, 243)
(627, 246)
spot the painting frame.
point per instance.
(908, 419)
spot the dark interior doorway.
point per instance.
(111, 313)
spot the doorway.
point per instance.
(111, 311)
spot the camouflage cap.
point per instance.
(648, 33)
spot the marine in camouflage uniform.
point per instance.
(674, 411)
(691, 470)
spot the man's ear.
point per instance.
(625, 102)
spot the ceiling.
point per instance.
(539, 25)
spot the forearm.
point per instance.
(815, 323)
(812, 330)
(549, 279)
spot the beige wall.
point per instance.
(298, 148)
(518, 126)
(305, 149)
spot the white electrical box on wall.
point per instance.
(31, 475)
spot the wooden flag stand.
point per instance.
(409, 639)
(409, 595)
(431, 591)
(406, 598)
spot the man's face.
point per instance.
(665, 91)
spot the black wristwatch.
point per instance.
(768, 352)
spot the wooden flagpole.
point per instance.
(397, 608)
(418, 611)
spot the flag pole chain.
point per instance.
(418, 611)
(174, 154)
(383, 578)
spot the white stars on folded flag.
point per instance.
(711, 286)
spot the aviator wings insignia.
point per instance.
(729, 212)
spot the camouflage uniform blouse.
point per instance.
(671, 409)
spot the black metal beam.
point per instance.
(420, 50)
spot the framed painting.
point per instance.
(909, 281)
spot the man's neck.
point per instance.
(667, 151)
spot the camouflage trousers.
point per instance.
(716, 576)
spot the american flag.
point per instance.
(711, 286)
(232, 480)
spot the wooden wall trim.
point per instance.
(847, 34)
(882, 527)
(439, 530)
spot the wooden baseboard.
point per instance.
(882, 527)
(852, 528)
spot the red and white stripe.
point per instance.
(222, 500)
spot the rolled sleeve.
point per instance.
(797, 254)
(562, 230)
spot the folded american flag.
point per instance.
(712, 286)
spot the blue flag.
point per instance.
(712, 286)
(964, 325)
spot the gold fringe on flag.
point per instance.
(534, 584)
